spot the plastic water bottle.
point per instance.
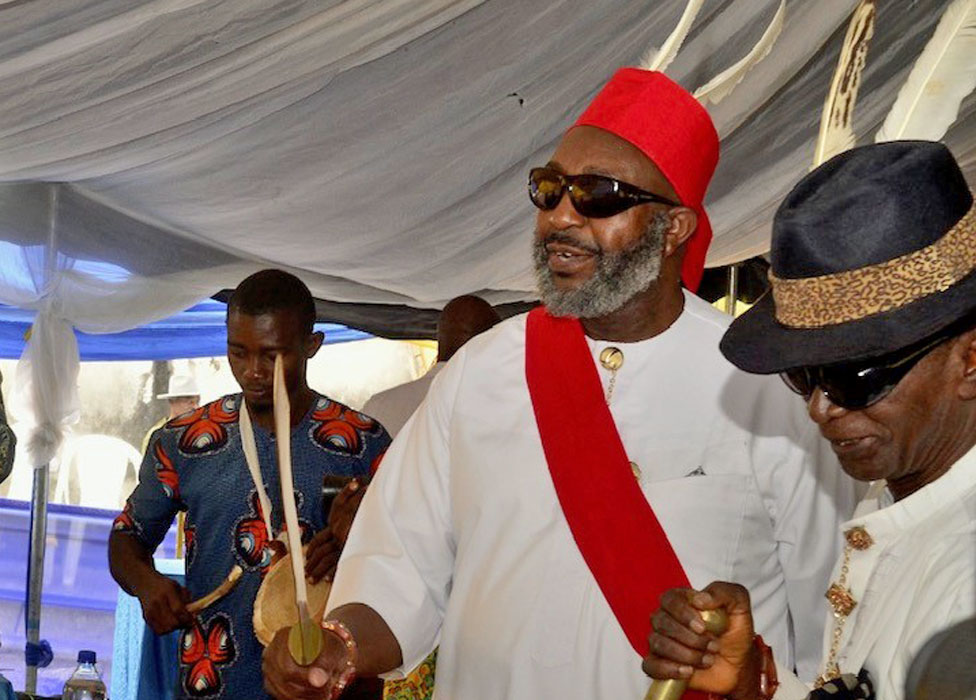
(85, 683)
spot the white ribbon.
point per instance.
(282, 422)
(254, 466)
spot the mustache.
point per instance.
(567, 239)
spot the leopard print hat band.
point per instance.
(827, 300)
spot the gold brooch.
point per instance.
(858, 538)
(612, 359)
(841, 600)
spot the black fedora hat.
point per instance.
(871, 252)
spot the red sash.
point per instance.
(614, 527)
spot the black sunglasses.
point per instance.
(593, 196)
(857, 385)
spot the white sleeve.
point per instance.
(946, 597)
(790, 687)
(399, 558)
(382, 408)
(372, 409)
(808, 496)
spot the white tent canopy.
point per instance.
(376, 147)
(379, 146)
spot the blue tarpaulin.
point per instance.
(197, 332)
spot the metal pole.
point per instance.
(35, 570)
(733, 289)
(38, 536)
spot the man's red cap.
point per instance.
(661, 118)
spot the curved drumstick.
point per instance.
(226, 586)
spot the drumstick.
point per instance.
(304, 638)
(226, 586)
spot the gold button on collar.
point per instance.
(612, 358)
(636, 471)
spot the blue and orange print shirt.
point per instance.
(196, 463)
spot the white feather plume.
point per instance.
(724, 83)
(836, 121)
(659, 59)
(943, 75)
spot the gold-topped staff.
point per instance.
(304, 637)
(716, 622)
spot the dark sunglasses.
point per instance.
(857, 385)
(593, 196)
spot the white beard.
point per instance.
(617, 279)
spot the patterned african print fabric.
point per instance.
(418, 685)
(195, 463)
(847, 687)
(8, 443)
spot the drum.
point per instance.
(274, 606)
(332, 485)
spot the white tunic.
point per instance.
(460, 540)
(918, 578)
(394, 406)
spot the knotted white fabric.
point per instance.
(44, 268)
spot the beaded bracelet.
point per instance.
(352, 652)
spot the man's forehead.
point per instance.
(268, 316)
(593, 150)
(273, 322)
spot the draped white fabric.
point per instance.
(79, 267)
(377, 147)
(380, 145)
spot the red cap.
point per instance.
(661, 118)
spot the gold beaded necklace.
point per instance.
(612, 359)
(842, 601)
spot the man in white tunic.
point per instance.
(879, 337)
(462, 319)
(613, 395)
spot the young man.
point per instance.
(567, 465)
(872, 320)
(195, 463)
